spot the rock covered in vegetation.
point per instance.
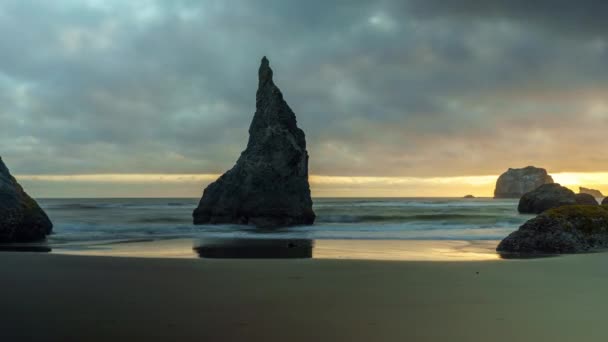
(545, 197)
(592, 192)
(516, 182)
(585, 199)
(568, 229)
(268, 186)
(21, 219)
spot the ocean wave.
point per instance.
(106, 206)
(74, 206)
(409, 203)
(134, 219)
(349, 218)
(168, 219)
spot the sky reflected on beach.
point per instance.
(406, 250)
(396, 250)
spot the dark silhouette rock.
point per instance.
(585, 199)
(545, 197)
(21, 219)
(568, 229)
(605, 201)
(268, 186)
(516, 182)
(254, 248)
(469, 196)
(592, 192)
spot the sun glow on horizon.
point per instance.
(190, 185)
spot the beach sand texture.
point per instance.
(48, 297)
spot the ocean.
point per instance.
(88, 221)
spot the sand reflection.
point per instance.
(288, 248)
(406, 250)
(25, 247)
(254, 248)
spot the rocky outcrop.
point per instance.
(268, 186)
(592, 192)
(585, 199)
(469, 196)
(516, 182)
(569, 229)
(545, 197)
(21, 219)
(605, 201)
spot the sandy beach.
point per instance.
(50, 297)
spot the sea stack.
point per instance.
(21, 219)
(268, 186)
(592, 192)
(516, 182)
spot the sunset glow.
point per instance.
(189, 185)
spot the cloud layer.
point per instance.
(415, 88)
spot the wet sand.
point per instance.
(403, 250)
(47, 297)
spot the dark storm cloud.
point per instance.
(381, 88)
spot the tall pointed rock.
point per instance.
(268, 186)
(21, 219)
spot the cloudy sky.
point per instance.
(400, 98)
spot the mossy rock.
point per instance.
(566, 229)
(589, 219)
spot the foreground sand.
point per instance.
(49, 297)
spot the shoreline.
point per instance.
(339, 249)
(67, 297)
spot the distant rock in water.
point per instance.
(585, 199)
(268, 186)
(469, 196)
(545, 197)
(592, 192)
(569, 229)
(516, 182)
(21, 219)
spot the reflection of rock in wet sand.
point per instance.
(25, 248)
(254, 248)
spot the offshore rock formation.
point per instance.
(21, 219)
(592, 192)
(516, 182)
(268, 186)
(585, 199)
(569, 229)
(545, 197)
